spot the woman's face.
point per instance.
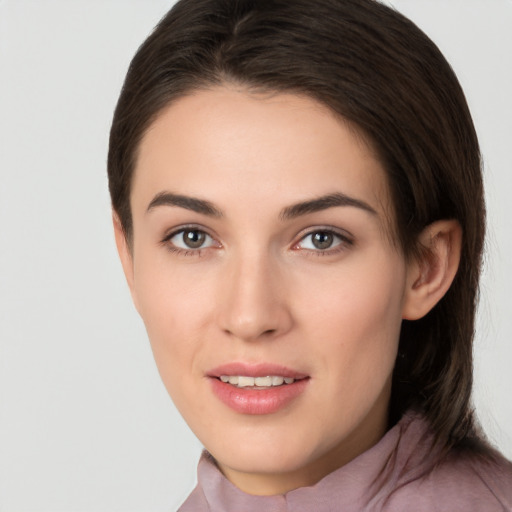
(262, 251)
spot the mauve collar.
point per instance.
(404, 453)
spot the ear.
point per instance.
(125, 254)
(431, 274)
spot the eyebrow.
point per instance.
(189, 203)
(323, 203)
(290, 212)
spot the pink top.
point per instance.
(396, 475)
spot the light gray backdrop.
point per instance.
(85, 424)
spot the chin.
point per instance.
(265, 457)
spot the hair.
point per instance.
(376, 69)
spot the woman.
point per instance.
(298, 207)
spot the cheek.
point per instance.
(175, 306)
(357, 316)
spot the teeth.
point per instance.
(243, 381)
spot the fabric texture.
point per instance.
(401, 473)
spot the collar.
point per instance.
(404, 453)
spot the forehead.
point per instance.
(279, 146)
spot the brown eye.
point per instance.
(193, 238)
(187, 239)
(322, 239)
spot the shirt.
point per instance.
(401, 473)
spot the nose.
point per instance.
(253, 301)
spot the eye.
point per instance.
(322, 240)
(188, 239)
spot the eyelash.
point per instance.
(166, 241)
(344, 241)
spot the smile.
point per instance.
(257, 389)
(243, 381)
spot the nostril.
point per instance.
(268, 333)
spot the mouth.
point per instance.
(269, 381)
(257, 389)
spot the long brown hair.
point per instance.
(375, 68)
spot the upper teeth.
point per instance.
(242, 381)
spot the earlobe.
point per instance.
(430, 275)
(125, 254)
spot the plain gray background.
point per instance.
(85, 424)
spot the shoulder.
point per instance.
(460, 481)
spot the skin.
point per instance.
(258, 289)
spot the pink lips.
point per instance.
(256, 401)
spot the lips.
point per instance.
(257, 388)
